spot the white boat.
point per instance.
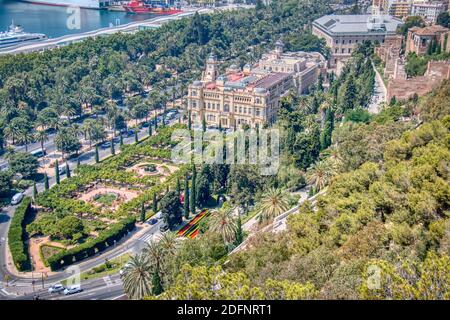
(15, 36)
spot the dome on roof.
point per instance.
(222, 78)
(197, 83)
(233, 66)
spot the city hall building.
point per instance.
(251, 95)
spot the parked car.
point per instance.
(164, 227)
(17, 198)
(56, 288)
(62, 169)
(122, 271)
(158, 215)
(105, 145)
(39, 153)
(73, 289)
(152, 221)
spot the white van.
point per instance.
(16, 198)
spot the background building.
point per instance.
(428, 11)
(419, 39)
(343, 33)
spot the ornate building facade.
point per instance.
(251, 95)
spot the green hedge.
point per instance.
(16, 236)
(91, 247)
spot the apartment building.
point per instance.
(428, 11)
(251, 95)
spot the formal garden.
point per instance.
(96, 207)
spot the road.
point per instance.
(379, 94)
(125, 245)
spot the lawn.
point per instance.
(107, 199)
(47, 251)
(111, 267)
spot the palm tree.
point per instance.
(41, 136)
(223, 223)
(320, 174)
(273, 203)
(137, 277)
(155, 254)
(169, 243)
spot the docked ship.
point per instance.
(138, 6)
(15, 36)
(90, 4)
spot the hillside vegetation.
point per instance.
(381, 230)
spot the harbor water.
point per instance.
(55, 21)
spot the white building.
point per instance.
(428, 11)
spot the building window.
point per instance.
(258, 112)
(226, 108)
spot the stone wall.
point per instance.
(404, 89)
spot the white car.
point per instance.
(122, 271)
(56, 288)
(17, 198)
(72, 289)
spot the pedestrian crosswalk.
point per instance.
(148, 237)
(4, 293)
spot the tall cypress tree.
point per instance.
(142, 212)
(78, 162)
(136, 138)
(189, 120)
(239, 237)
(35, 191)
(325, 136)
(68, 173)
(46, 185)
(203, 123)
(193, 190)
(157, 288)
(178, 186)
(97, 157)
(150, 131)
(186, 198)
(155, 203)
(121, 138)
(57, 178)
(156, 123)
(113, 150)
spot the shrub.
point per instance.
(16, 236)
(105, 238)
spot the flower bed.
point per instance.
(191, 229)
